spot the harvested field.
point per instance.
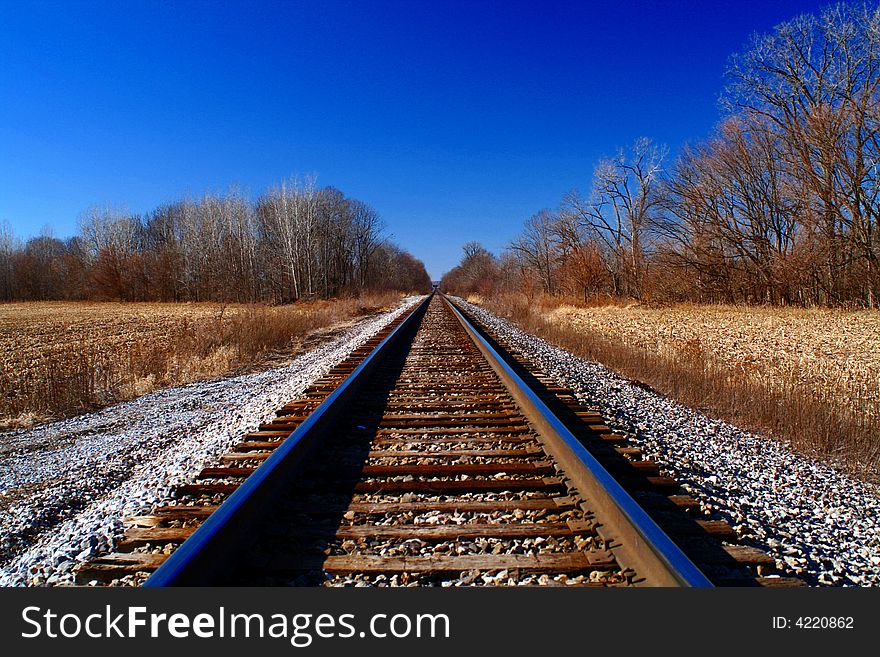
(808, 376)
(66, 486)
(814, 519)
(834, 354)
(65, 357)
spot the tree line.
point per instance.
(779, 205)
(296, 241)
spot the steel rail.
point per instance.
(643, 545)
(207, 553)
(219, 544)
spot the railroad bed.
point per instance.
(427, 458)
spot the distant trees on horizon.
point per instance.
(780, 205)
(295, 242)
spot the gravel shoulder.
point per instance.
(815, 520)
(66, 486)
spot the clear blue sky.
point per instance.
(454, 120)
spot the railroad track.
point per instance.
(433, 456)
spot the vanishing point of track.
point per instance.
(433, 456)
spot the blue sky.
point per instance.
(456, 121)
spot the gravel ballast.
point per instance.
(816, 521)
(65, 487)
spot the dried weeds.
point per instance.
(61, 358)
(808, 376)
(832, 354)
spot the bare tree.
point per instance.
(8, 248)
(621, 209)
(366, 226)
(735, 210)
(113, 241)
(815, 80)
(539, 246)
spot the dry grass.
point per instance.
(66, 357)
(808, 376)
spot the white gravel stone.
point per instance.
(810, 516)
(66, 486)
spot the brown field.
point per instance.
(809, 376)
(834, 354)
(66, 357)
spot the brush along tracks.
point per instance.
(423, 460)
